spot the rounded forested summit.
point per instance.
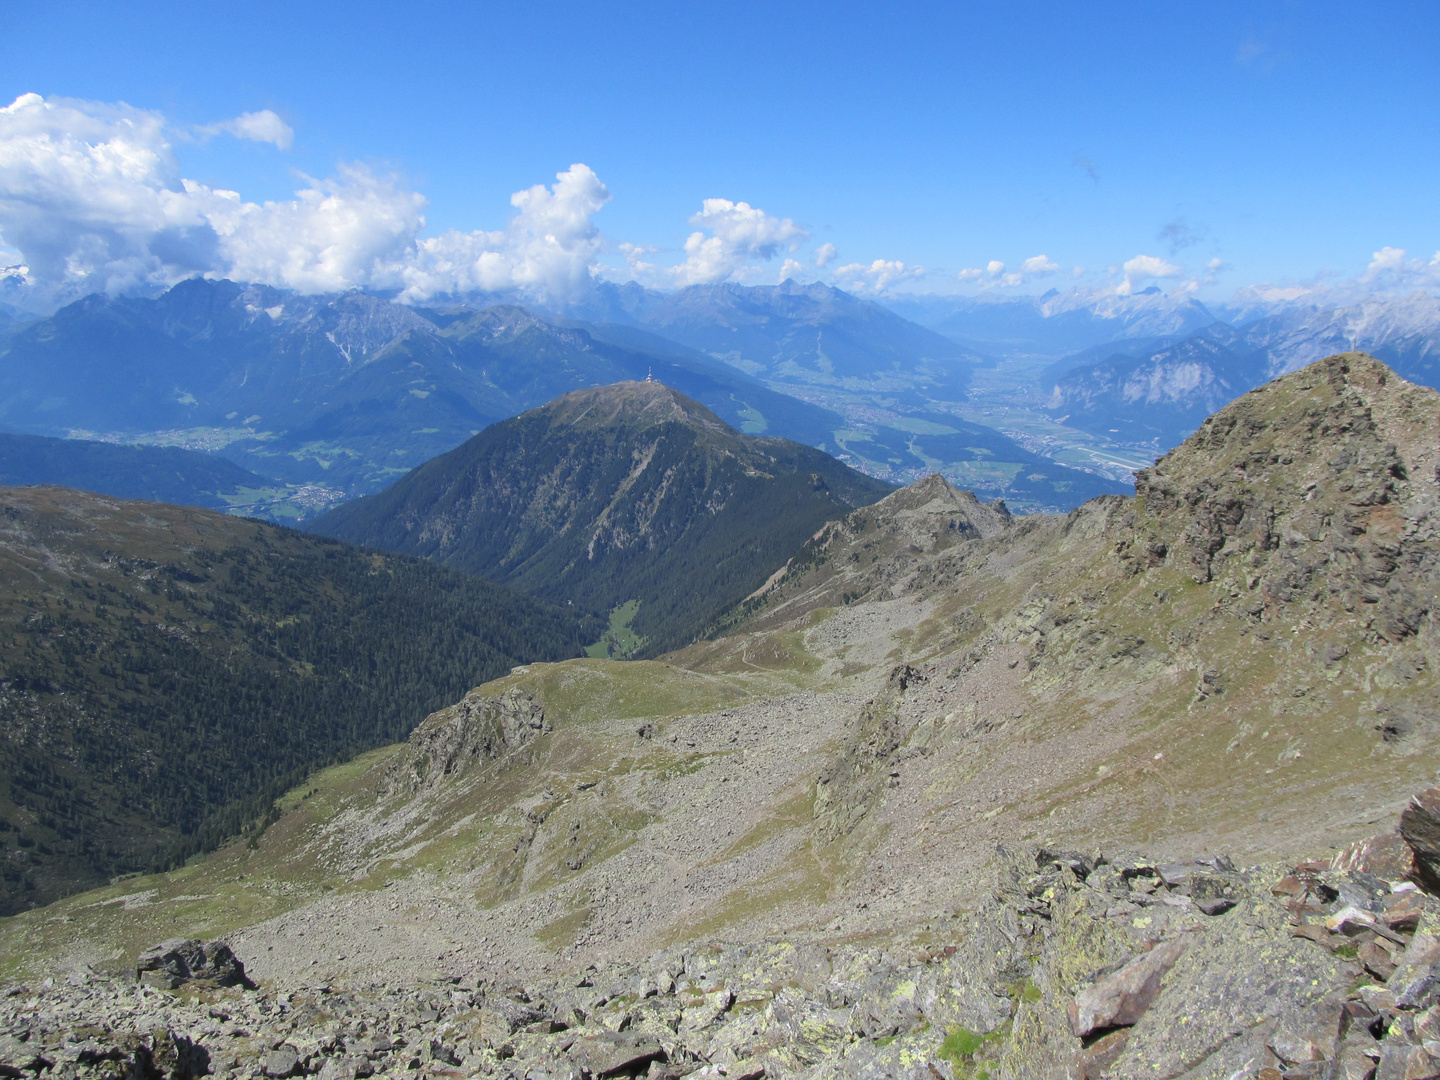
(627, 494)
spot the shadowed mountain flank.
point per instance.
(158, 473)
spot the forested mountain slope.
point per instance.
(165, 672)
(158, 473)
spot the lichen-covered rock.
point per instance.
(1236, 980)
(178, 961)
(1120, 999)
(281, 1062)
(615, 1053)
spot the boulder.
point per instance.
(1420, 828)
(19, 1059)
(1416, 978)
(1400, 1060)
(615, 1053)
(178, 961)
(346, 1068)
(1311, 1035)
(176, 1056)
(282, 1062)
(1376, 960)
(1386, 856)
(1120, 999)
(1213, 893)
(1354, 1063)
(499, 1018)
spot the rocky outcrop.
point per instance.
(1120, 1000)
(178, 962)
(1318, 488)
(1099, 966)
(1420, 829)
(865, 551)
(476, 730)
(854, 782)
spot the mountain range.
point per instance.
(338, 396)
(800, 335)
(348, 392)
(1055, 324)
(1161, 388)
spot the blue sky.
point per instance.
(1271, 142)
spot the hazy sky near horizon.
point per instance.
(1223, 144)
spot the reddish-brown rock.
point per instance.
(1120, 999)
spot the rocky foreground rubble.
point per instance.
(1077, 966)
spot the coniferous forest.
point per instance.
(167, 672)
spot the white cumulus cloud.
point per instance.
(354, 229)
(263, 126)
(825, 255)
(1146, 268)
(1389, 270)
(1039, 266)
(548, 250)
(91, 195)
(1386, 260)
(994, 268)
(974, 273)
(878, 276)
(92, 198)
(1390, 262)
(635, 259)
(737, 234)
(793, 269)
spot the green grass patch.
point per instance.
(966, 1050)
(619, 641)
(959, 1044)
(583, 691)
(752, 421)
(563, 931)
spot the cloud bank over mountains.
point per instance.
(93, 198)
